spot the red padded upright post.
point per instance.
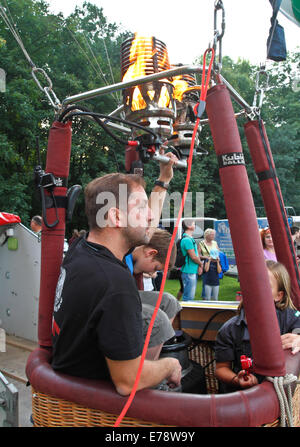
(58, 163)
(257, 297)
(273, 202)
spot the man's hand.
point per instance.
(291, 341)
(166, 169)
(158, 194)
(175, 377)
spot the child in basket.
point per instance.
(212, 268)
(233, 337)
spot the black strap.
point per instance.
(266, 175)
(202, 242)
(59, 202)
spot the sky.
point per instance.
(186, 27)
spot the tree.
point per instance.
(281, 115)
(74, 52)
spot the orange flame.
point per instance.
(181, 87)
(141, 56)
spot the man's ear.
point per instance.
(115, 218)
(150, 252)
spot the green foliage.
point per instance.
(75, 52)
(281, 115)
(82, 52)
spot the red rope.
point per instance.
(189, 169)
(204, 83)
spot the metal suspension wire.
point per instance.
(103, 77)
(110, 67)
(47, 89)
(16, 35)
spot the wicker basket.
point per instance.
(296, 407)
(49, 411)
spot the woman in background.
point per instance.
(204, 248)
(268, 246)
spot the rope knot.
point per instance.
(285, 401)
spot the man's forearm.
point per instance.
(196, 260)
(155, 371)
(123, 373)
(156, 201)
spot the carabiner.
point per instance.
(260, 89)
(218, 35)
(219, 6)
(54, 101)
(48, 90)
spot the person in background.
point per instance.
(295, 231)
(212, 268)
(190, 269)
(204, 247)
(233, 338)
(36, 224)
(267, 243)
(148, 259)
(148, 281)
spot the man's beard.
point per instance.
(134, 238)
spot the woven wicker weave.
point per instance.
(48, 411)
(296, 407)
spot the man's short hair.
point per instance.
(38, 220)
(109, 183)
(160, 241)
(187, 223)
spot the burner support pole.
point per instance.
(131, 83)
(185, 69)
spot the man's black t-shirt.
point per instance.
(97, 312)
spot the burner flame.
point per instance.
(150, 104)
(146, 55)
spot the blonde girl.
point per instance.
(233, 337)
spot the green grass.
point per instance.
(228, 288)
